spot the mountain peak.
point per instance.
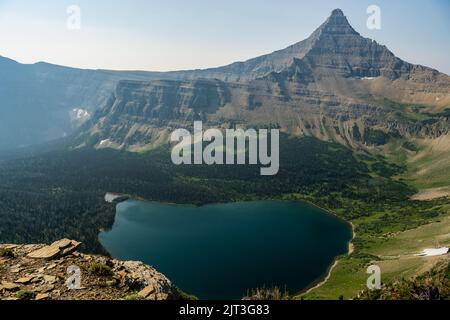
(337, 12)
(337, 23)
(336, 48)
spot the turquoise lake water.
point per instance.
(221, 251)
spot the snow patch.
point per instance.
(433, 252)
(104, 142)
(112, 197)
(79, 114)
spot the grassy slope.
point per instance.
(426, 168)
(427, 159)
(430, 167)
(393, 253)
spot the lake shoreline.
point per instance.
(351, 248)
(316, 283)
(324, 279)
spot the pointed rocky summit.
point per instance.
(337, 23)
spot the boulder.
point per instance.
(50, 279)
(147, 291)
(24, 280)
(42, 296)
(48, 252)
(62, 244)
(9, 286)
(161, 297)
(57, 249)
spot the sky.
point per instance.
(163, 35)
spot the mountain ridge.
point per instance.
(338, 87)
(336, 22)
(334, 61)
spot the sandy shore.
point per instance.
(351, 249)
(336, 262)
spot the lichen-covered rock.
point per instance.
(58, 272)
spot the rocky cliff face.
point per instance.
(335, 48)
(41, 272)
(335, 85)
(334, 61)
(338, 49)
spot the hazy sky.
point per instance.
(184, 34)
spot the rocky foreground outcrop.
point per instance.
(59, 272)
